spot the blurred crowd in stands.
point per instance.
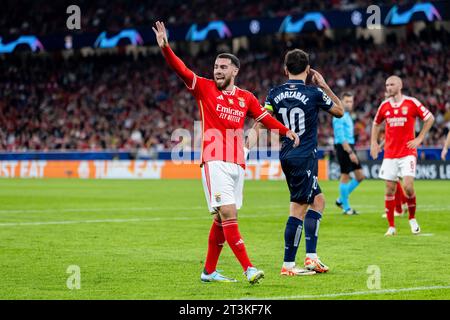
(121, 102)
(49, 17)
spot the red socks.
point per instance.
(389, 204)
(411, 207)
(234, 240)
(215, 244)
(400, 198)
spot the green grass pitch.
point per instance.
(148, 240)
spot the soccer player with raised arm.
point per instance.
(400, 149)
(297, 105)
(223, 108)
(344, 143)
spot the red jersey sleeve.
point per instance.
(260, 114)
(420, 110)
(189, 77)
(379, 117)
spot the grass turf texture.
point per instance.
(148, 240)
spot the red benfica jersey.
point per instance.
(400, 121)
(223, 114)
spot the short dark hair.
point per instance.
(347, 94)
(232, 57)
(296, 61)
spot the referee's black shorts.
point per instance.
(343, 157)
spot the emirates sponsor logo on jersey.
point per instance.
(229, 114)
(397, 121)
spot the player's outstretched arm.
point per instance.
(263, 116)
(413, 144)
(252, 138)
(271, 123)
(446, 145)
(174, 62)
(337, 109)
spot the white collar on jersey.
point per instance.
(396, 104)
(230, 93)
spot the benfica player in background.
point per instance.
(401, 205)
(223, 108)
(400, 151)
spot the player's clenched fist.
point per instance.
(161, 34)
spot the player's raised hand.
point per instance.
(161, 34)
(317, 79)
(374, 150)
(293, 136)
(413, 144)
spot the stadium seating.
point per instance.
(103, 15)
(119, 102)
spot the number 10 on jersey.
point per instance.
(294, 119)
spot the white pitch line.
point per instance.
(81, 210)
(117, 220)
(357, 293)
(64, 222)
(15, 224)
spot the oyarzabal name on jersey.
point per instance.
(291, 94)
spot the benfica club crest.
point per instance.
(241, 102)
(404, 111)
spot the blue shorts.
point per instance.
(301, 177)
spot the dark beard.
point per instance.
(225, 84)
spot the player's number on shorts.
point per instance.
(294, 119)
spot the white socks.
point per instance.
(289, 265)
(311, 255)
